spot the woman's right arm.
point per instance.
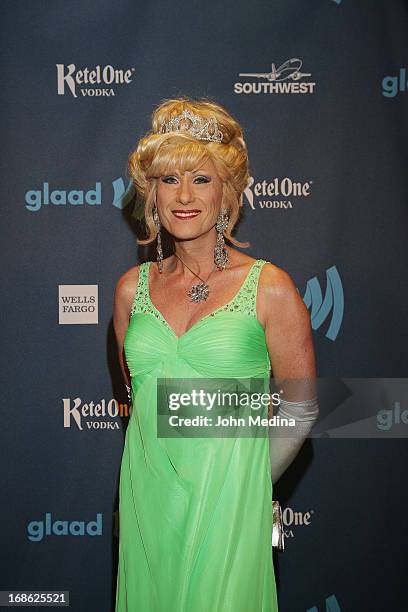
(122, 304)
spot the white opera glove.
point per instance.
(286, 441)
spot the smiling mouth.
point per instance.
(185, 214)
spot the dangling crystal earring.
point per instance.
(156, 220)
(220, 252)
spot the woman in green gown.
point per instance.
(195, 513)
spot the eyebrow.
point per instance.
(202, 171)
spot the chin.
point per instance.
(184, 233)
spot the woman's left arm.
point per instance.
(289, 340)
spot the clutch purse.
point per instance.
(278, 535)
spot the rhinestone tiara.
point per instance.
(202, 129)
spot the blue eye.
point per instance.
(202, 179)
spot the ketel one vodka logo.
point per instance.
(292, 519)
(91, 415)
(282, 80)
(98, 81)
(278, 193)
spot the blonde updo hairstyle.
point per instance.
(160, 154)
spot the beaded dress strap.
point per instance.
(141, 300)
(245, 299)
(243, 302)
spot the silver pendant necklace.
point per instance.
(200, 291)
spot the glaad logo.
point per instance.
(122, 195)
(387, 418)
(332, 605)
(265, 192)
(333, 301)
(391, 85)
(36, 530)
(292, 519)
(91, 415)
(69, 77)
(36, 198)
(288, 71)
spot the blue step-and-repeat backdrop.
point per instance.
(321, 90)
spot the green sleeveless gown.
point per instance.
(195, 514)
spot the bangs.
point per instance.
(178, 154)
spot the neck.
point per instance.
(198, 254)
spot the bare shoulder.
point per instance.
(287, 325)
(240, 260)
(274, 281)
(125, 289)
(278, 296)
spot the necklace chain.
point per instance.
(184, 264)
(198, 292)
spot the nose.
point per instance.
(185, 193)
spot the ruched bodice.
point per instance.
(195, 513)
(229, 341)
